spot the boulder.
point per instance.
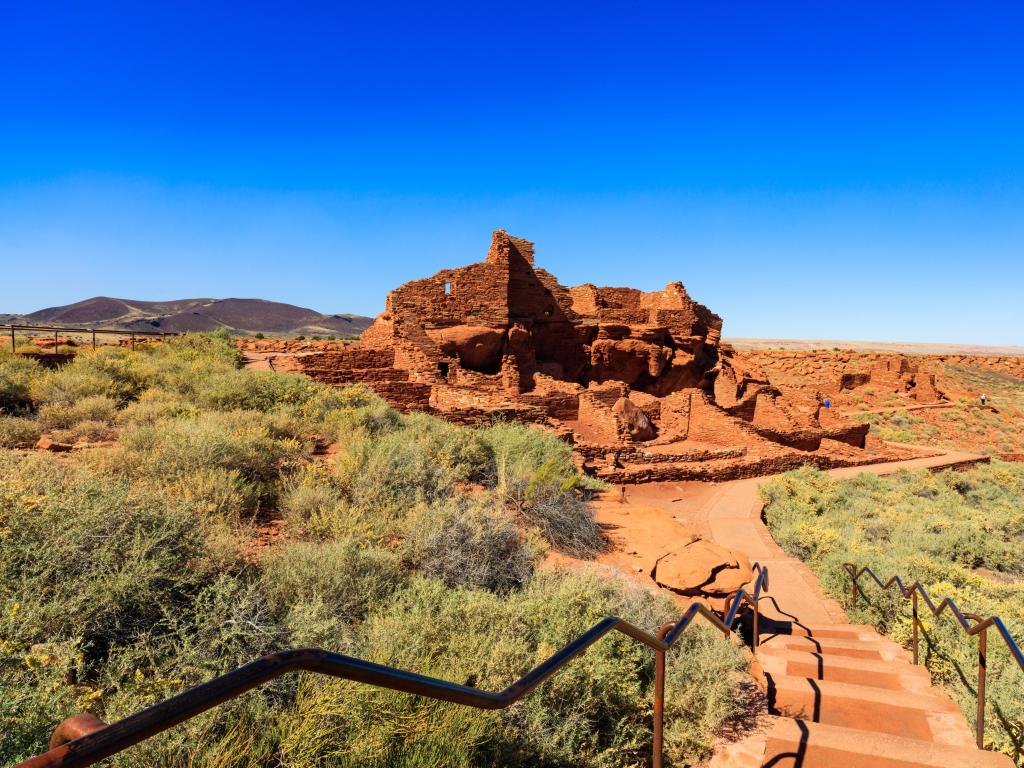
(47, 443)
(702, 568)
(633, 420)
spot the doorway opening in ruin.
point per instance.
(442, 368)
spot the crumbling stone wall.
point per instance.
(609, 367)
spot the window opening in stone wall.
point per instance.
(447, 289)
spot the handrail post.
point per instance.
(915, 626)
(657, 747)
(853, 591)
(982, 669)
(754, 640)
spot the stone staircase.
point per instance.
(843, 696)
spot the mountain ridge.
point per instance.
(237, 315)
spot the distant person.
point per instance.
(828, 403)
(984, 399)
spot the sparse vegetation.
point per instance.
(132, 571)
(959, 533)
(996, 428)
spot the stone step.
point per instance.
(791, 743)
(892, 675)
(772, 628)
(879, 649)
(931, 716)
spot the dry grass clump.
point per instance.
(959, 533)
(233, 453)
(19, 432)
(474, 545)
(534, 477)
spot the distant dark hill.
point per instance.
(243, 316)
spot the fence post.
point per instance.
(915, 625)
(12, 338)
(93, 339)
(133, 342)
(659, 706)
(55, 342)
(659, 700)
(982, 668)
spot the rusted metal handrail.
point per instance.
(83, 740)
(979, 628)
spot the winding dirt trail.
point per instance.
(730, 515)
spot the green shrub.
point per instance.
(318, 590)
(153, 406)
(253, 390)
(384, 478)
(108, 371)
(16, 374)
(178, 450)
(312, 505)
(64, 415)
(351, 414)
(19, 432)
(87, 558)
(595, 712)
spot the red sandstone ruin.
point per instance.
(639, 382)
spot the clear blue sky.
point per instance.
(827, 170)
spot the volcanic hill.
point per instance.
(240, 316)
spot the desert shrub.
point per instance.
(108, 371)
(154, 405)
(535, 478)
(471, 545)
(90, 431)
(382, 479)
(351, 413)
(958, 533)
(16, 374)
(253, 390)
(313, 505)
(114, 554)
(215, 347)
(19, 432)
(318, 590)
(64, 415)
(463, 452)
(177, 450)
(28, 716)
(596, 711)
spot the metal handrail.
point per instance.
(979, 628)
(57, 329)
(84, 740)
